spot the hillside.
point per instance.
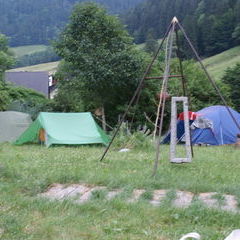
(217, 64)
(50, 67)
(26, 50)
(29, 55)
(212, 25)
(36, 22)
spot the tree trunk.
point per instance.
(103, 119)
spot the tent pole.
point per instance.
(208, 75)
(138, 91)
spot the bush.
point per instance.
(137, 140)
(232, 79)
(22, 99)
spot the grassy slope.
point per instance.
(50, 67)
(28, 170)
(30, 49)
(217, 64)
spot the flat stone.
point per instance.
(158, 196)
(78, 190)
(86, 196)
(207, 199)
(231, 203)
(183, 199)
(61, 192)
(83, 192)
(136, 195)
(112, 194)
(53, 192)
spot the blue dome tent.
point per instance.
(220, 128)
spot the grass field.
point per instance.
(28, 170)
(217, 64)
(48, 67)
(29, 49)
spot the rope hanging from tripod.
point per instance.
(162, 99)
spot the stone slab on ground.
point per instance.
(183, 199)
(112, 194)
(136, 195)
(231, 204)
(208, 199)
(88, 194)
(82, 193)
(61, 192)
(158, 196)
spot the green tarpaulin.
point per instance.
(64, 128)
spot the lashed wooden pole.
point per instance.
(165, 84)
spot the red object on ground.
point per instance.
(191, 115)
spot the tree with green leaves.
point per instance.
(42, 21)
(236, 34)
(199, 89)
(151, 43)
(14, 97)
(6, 59)
(101, 65)
(232, 79)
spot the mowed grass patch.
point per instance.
(28, 49)
(28, 170)
(35, 167)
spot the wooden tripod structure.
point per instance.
(174, 27)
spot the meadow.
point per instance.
(216, 65)
(26, 171)
(28, 49)
(50, 67)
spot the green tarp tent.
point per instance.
(12, 125)
(64, 128)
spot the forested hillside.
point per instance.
(213, 25)
(29, 22)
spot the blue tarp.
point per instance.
(223, 131)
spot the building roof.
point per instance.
(37, 81)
